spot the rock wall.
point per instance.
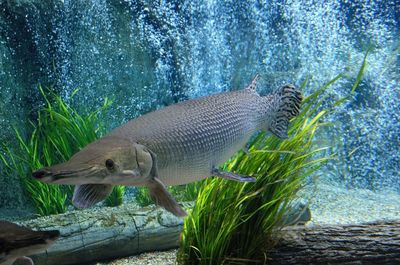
(19, 75)
(105, 48)
(148, 54)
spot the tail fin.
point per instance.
(289, 98)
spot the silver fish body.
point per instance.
(182, 143)
(192, 137)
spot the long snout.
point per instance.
(44, 175)
(65, 173)
(41, 174)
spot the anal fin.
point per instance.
(231, 176)
(163, 198)
(87, 195)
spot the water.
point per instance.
(149, 54)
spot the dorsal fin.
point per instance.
(253, 84)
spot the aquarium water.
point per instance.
(132, 57)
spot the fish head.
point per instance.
(109, 160)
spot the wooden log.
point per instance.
(106, 233)
(375, 243)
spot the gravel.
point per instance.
(335, 204)
(150, 258)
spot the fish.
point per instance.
(17, 242)
(178, 144)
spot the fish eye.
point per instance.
(109, 164)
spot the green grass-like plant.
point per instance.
(116, 197)
(236, 223)
(59, 133)
(142, 197)
(187, 192)
(183, 193)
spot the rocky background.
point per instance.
(149, 54)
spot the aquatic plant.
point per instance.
(116, 197)
(237, 223)
(59, 133)
(187, 192)
(142, 197)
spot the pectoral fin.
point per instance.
(163, 198)
(159, 193)
(232, 176)
(89, 194)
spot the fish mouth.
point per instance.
(41, 174)
(47, 175)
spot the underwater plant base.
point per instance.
(99, 234)
(374, 243)
(107, 233)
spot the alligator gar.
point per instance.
(178, 144)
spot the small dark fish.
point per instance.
(17, 242)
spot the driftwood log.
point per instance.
(107, 233)
(375, 244)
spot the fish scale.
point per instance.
(192, 137)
